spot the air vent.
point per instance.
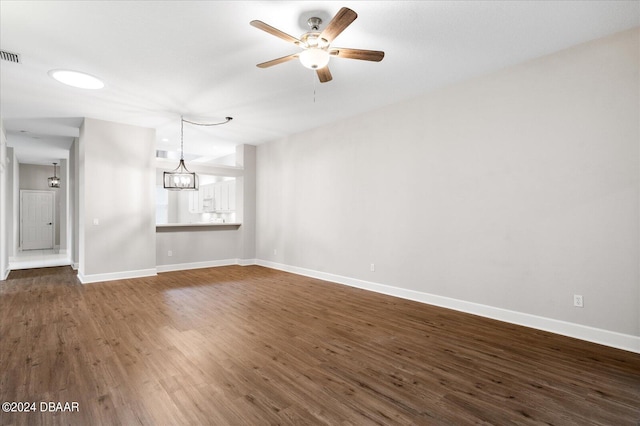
(8, 56)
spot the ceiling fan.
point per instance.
(317, 45)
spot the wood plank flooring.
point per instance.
(254, 346)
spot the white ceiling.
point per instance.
(161, 59)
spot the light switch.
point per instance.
(96, 221)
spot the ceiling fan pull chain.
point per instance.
(313, 77)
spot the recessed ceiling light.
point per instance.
(77, 79)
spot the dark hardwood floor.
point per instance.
(251, 346)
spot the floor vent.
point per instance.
(8, 56)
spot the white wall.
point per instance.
(12, 202)
(221, 245)
(74, 198)
(63, 207)
(246, 156)
(117, 188)
(4, 212)
(197, 246)
(514, 191)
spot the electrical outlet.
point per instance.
(578, 301)
(373, 267)
(275, 252)
(170, 253)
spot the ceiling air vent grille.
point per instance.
(8, 56)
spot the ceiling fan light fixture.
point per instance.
(314, 58)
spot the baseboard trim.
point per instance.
(112, 276)
(37, 263)
(94, 278)
(196, 265)
(5, 275)
(595, 335)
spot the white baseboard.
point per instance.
(95, 278)
(207, 264)
(5, 275)
(40, 262)
(75, 266)
(604, 337)
(196, 265)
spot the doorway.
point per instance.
(37, 220)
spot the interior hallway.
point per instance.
(27, 259)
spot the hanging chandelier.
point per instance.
(181, 178)
(54, 181)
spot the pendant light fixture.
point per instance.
(54, 181)
(181, 178)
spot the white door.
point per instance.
(36, 219)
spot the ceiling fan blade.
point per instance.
(364, 55)
(277, 61)
(342, 20)
(324, 74)
(274, 31)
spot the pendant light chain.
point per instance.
(181, 137)
(182, 121)
(181, 178)
(226, 120)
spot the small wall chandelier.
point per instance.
(54, 181)
(181, 178)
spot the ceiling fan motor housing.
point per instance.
(314, 23)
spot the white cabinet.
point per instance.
(224, 194)
(207, 191)
(195, 202)
(232, 195)
(206, 194)
(219, 197)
